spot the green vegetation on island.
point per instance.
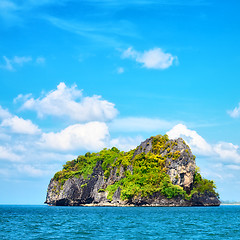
(139, 175)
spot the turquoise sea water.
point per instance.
(44, 222)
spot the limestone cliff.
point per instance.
(159, 172)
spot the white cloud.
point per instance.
(139, 124)
(223, 151)
(120, 70)
(69, 102)
(32, 153)
(235, 113)
(4, 113)
(7, 154)
(154, 58)
(197, 143)
(89, 136)
(20, 125)
(126, 143)
(228, 151)
(16, 124)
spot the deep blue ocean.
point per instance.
(44, 222)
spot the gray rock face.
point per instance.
(89, 192)
(156, 199)
(78, 191)
(181, 170)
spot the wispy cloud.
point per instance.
(8, 65)
(126, 3)
(6, 5)
(35, 3)
(21, 60)
(16, 12)
(120, 70)
(104, 32)
(8, 154)
(233, 167)
(40, 60)
(11, 64)
(11, 5)
(153, 58)
(8, 9)
(235, 113)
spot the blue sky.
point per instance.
(77, 76)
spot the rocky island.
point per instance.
(159, 172)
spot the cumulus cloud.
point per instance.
(139, 124)
(69, 102)
(153, 58)
(90, 136)
(235, 113)
(26, 151)
(197, 143)
(226, 152)
(16, 124)
(20, 125)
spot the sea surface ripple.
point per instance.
(44, 222)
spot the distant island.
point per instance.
(229, 202)
(159, 172)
